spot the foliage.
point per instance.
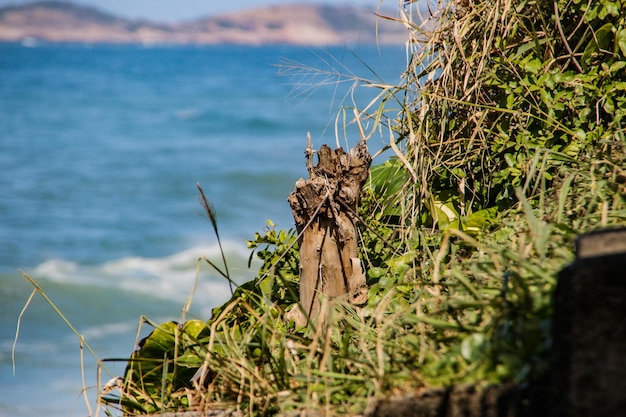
(509, 143)
(163, 365)
(183, 366)
(510, 94)
(508, 153)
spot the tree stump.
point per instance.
(324, 209)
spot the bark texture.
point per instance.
(324, 208)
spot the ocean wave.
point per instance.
(107, 330)
(32, 348)
(170, 277)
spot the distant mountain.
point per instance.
(59, 21)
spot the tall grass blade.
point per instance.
(19, 322)
(62, 316)
(210, 211)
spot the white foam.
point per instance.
(108, 329)
(171, 277)
(56, 269)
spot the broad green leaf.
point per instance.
(161, 340)
(190, 360)
(196, 329)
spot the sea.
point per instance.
(101, 151)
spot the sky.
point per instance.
(177, 10)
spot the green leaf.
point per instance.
(533, 66)
(387, 180)
(376, 272)
(510, 159)
(616, 66)
(266, 286)
(160, 341)
(580, 134)
(472, 346)
(620, 41)
(196, 329)
(601, 40)
(190, 360)
(510, 101)
(478, 220)
(608, 105)
(610, 8)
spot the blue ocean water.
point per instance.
(101, 148)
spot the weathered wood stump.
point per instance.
(324, 209)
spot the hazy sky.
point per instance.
(172, 10)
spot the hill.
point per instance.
(59, 21)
